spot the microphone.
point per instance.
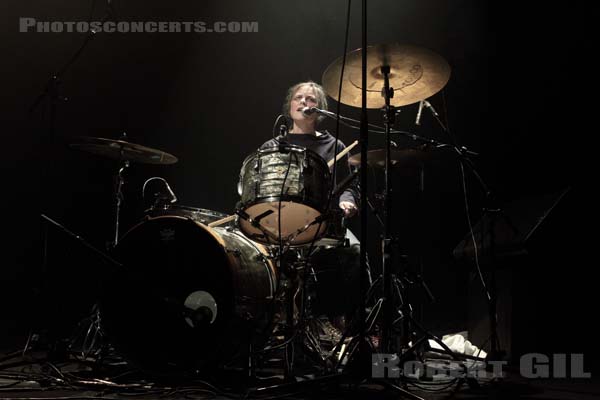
(173, 197)
(310, 110)
(418, 120)
(428, 105)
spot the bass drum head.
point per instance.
(171, 307)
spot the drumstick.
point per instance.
(222, 220)
(342, 153)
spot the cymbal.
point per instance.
(409, 157)
(416, 74)
(122, 150)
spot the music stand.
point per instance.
(504, 233)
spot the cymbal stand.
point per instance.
(375, 212)
(118, 192)
(387, 306)
(356, 349)
(389, 281)
(58, 346)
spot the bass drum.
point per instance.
(188, 296)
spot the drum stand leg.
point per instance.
(58, 346)
(291, 325)
(118, 193)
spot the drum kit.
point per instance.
(200, 288)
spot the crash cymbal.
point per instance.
(416, 73)
(409, 157)
(122, 150)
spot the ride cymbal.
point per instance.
(416, 73)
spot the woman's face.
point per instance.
(305, 96)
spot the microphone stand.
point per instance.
(52, 85)
(491, 208)
(52, 90)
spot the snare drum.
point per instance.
(289, 178)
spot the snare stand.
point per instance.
(298, 279)
(297, 274)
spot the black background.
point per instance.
(515, 96)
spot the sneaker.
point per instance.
(329, 332)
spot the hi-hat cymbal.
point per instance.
(122, 150)
(416, 73)
(409, 157)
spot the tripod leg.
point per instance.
(405, 313)
(429, 335)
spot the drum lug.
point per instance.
(257, 168)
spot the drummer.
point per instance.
(337, 268)
(302, 132)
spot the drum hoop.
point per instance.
(168, 207)
(207, 228)
(284, 198)
(259, 246)
(211, 230)
(289, 147)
